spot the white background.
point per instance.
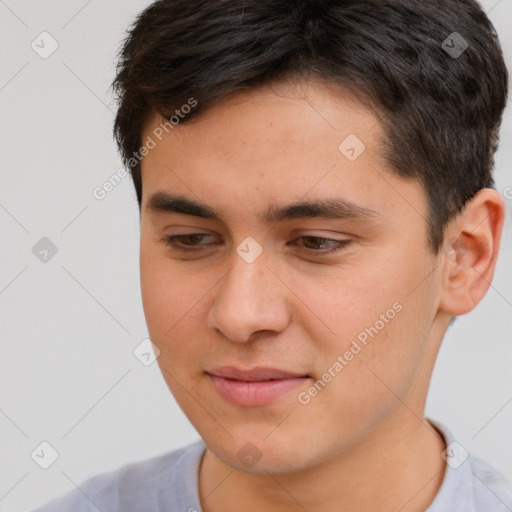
(69, 326)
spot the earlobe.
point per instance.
(471, 253)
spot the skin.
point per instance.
(362, 443)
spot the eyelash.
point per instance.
(338, 244)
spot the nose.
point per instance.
(250, 299)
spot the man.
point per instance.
(317, 205)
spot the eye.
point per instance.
(188, 241)
(335, 245)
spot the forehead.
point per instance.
(275, 145)
(276, 115)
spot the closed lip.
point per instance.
(257, 374)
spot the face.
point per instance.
(344, 301)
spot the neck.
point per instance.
(398, 467)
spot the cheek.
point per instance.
(175, 300)
(369, 319)
(343, 302)
(167, 303)
(166, 293)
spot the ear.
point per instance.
(471, 252)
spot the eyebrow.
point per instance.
(329, 208)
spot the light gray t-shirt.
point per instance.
(169, 483)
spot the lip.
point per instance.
(257, 374)
(254, 387)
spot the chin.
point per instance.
(264, 453)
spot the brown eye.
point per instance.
(315, 243)
(188, 241)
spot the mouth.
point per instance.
(255, 387)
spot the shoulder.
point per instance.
(145, 485)
(492, 491)
(469, 484)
